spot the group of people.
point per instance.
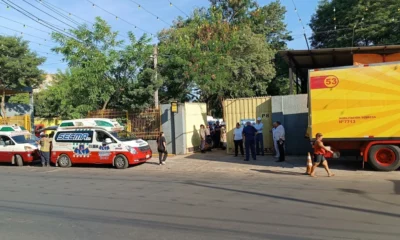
(253, 138)
(213, 136)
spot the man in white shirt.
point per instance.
(238, 139)
(259, 137)
(279, 137)
(274, 125)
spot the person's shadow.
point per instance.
(280, 172)
(196, 141)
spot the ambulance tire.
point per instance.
(120, 162)
(19, 161)
(384, 157)
(64, 161)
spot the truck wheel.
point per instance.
(19, 161)
(120, 162)
(384, 157)
(64, 161)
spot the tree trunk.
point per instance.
(3, 104)
(106, 103)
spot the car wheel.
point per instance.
(19, 161)
(64, 161)
(120, 162)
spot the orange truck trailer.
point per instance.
(358, 108)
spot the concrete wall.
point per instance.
(292, 112)
(180, 127)
(195, 115)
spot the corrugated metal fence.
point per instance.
(239, 109)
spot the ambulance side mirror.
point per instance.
(108, 141)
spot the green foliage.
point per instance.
(226, 51)
(102, 74)
(373, 22)
(18, 66)
(22, 98)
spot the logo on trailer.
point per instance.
(331, 81)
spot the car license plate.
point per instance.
(147, 156)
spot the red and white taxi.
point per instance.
(17, 146)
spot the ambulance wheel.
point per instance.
(64, 161)
(120, 162)
(384, 157)
(19, 161)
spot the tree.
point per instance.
(102, 72)
(358, 23)
(18, 67)
(225, 51)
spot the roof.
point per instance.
(331, 57)
(16, 91)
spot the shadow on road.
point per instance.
(279, 172)
(291, 199)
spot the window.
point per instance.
(74, 136)
(103, 123)
(25, 139)
(67, 124)
(101, 136)
(5, 141)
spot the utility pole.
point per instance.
(155, 56)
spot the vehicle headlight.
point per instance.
(131, 149)
(28, 149)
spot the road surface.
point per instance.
(138, 203)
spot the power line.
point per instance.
(48, 6)
(22, 33)
(24, 25)
(70, 14)
(141, 7)
(173, 5)
(38, 20)
(40, 44)
(48, 14)
(301, 22)
(116, 17)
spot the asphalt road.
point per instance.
(103, 203)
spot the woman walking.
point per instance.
(319, 151)
(162, 149)
(238, 139)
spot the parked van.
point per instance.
(111, 125)
(96, 145)
(17, 146)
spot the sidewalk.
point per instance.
(220, 162)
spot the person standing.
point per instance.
(209, 140)
(275, 140)
(203, 136)
(319, 152)
(280, 140)
(238, 139)
(44, 143)
(223, 136)
(162, 149)
(259, 137)
(249, 133)
(217, 135)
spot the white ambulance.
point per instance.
(17, 146)
(111, 125)
(96, 145)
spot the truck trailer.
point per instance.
(358, 108)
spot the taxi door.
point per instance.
(6, 148)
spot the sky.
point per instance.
(129, 15)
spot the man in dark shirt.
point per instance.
(249, 133)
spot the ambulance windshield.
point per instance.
(124, 136)
(28, 138)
